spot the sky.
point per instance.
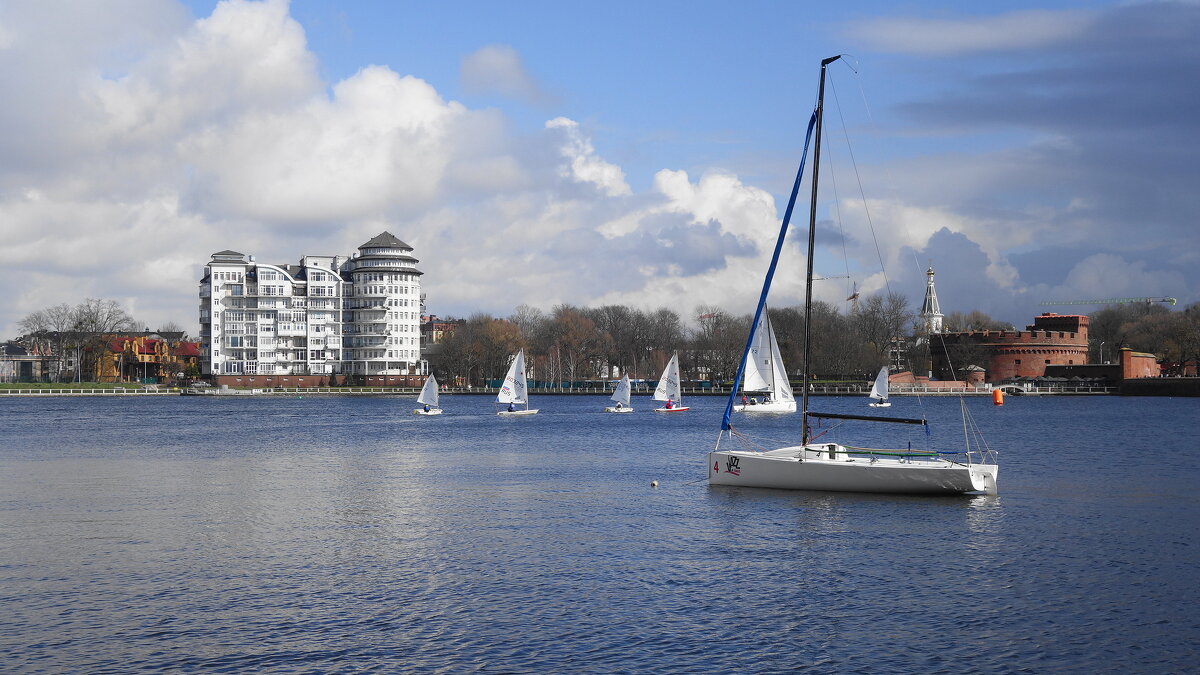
(636, 153)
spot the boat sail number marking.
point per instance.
(731, 466)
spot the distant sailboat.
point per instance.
(429, 398)
(765, 373)
(514, 390)
(621, 397)
(879, 390)
(668, 388)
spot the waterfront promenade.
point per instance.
(839, 389)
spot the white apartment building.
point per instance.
(328, 315)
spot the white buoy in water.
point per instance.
(653, 483)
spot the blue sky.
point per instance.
(637, 153)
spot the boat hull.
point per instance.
(672, 410)
(611, 409)
(816, 468)
(431, 411)
(517, 413)
(883, 404)
(771, 407)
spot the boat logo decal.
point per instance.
(731, 466)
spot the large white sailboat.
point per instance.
(620, 397)
(833, 466)
(514, 391)
(765, 374)
(879, 390)
(668, 388)
(428, 398)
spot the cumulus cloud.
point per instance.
(219, 133)
(585, 166)
(132, 154)
(498, 69)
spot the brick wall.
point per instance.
(1053, 339)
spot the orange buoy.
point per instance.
(998, 396)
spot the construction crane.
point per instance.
(1110, 301)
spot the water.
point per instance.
(344, 534)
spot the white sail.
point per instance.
(668, 384)
(879, 390)
(764, 367)
(759, 368)
(513, 389)
(831, 466)
(621, 393)
(429, 393)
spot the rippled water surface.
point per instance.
(332, 534)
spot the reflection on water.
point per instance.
(337, 534)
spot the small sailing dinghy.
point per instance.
(668, 388)
(765, 374)
(833, 466)
(879, 390)
(621, 398)
(429, 398)
(514, 390)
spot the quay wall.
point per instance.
(1161, 386)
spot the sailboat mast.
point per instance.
(812, 228)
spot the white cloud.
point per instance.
(381, 140)
(498, 69)
(225, 137)
(122, 177)
(1015, 30)
(585, 166)
(1105, 275)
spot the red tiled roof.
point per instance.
(187, 349)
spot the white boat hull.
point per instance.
(517, 413)
(672, 410)
(611, 409)
(815, 468)
(881, 404)
(767, 407)
(431, 411)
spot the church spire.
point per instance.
(931, 314)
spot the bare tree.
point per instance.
(95, 315)
(528, 320)
(958, 322)
(172, 327)
(717, 346)
(578, 341)
(81, 329)
(879, 321)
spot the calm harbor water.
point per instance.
(322, 534)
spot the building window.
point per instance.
(1017, 362)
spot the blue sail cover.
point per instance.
(762, 299)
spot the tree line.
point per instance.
(574, 344)
(1173, 336)
(78, 330)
